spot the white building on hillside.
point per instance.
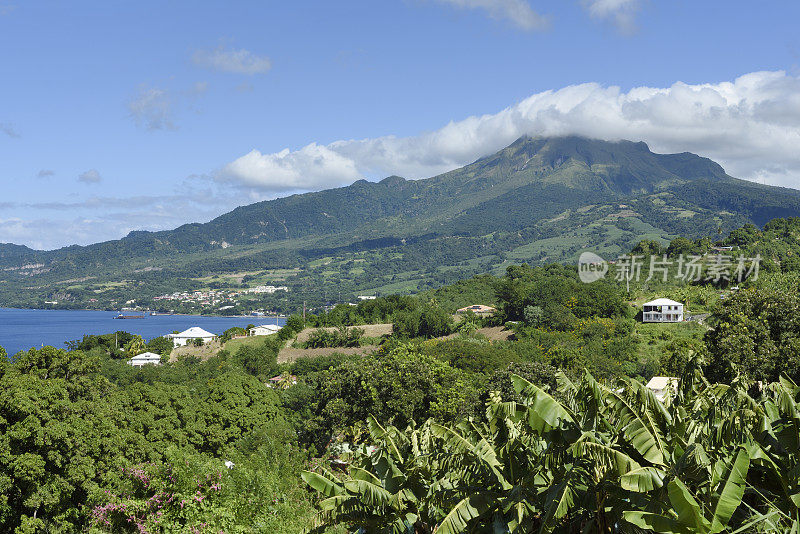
(477, 309)
(191, 334)
(662, 311)
(660, 386)
(145, 358)
(264, 330)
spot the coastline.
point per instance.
(23, 328)
(148, 314)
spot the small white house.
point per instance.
(190, 335)
(264, 330)
(477, 309)
(660, 386)
(662, 311)
(145, 358)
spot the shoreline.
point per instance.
(25, 328)
(150, 314)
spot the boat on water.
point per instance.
(121, 316)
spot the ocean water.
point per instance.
(23, 329)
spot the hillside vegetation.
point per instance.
(547, 427)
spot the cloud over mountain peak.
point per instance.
(751, 125)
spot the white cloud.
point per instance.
(152, 109)
(750, 125)
(45, 173)
(311, 167)
(621, 12)
(518, 12)
(90, 177)
(236, 61)
(9, 130)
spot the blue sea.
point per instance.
(23, 329)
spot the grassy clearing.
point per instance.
(232, 345)
(656, 339)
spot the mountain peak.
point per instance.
(393, 180)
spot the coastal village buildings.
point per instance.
(266, 289)
(219, 299)
(207, 298)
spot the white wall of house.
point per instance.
(187, 336)
(146, 358)
(662, 311)
(182, 341)
(264, 330)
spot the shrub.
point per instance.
(341, 337)
(424, 322)
(258, 360)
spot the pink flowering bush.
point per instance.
(175, 496)
(194, 494)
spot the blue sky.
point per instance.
(146, 115)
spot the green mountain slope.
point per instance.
(539, 199)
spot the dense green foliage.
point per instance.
(601, 459)
(70, 438)
(756, 333)
(558, 293)
(539, 423)
(425, 321)
(373, 311)
(339, 337)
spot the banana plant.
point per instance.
(386, 489)
(592, 457)
(688, 513)
(775, 451)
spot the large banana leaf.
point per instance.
(657, 523)
(458, 443)
(639, 428)
(730, 496)
(643, 479)
(606, 458)
(370, 494)
(380, 435)
(457, 520)
(482, 451)
(328, 486)
(689, 511)
(545, 407)
(560, 499)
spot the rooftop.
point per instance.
(194, 332)
(662, 302)
(146, 356)
(658, 383)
